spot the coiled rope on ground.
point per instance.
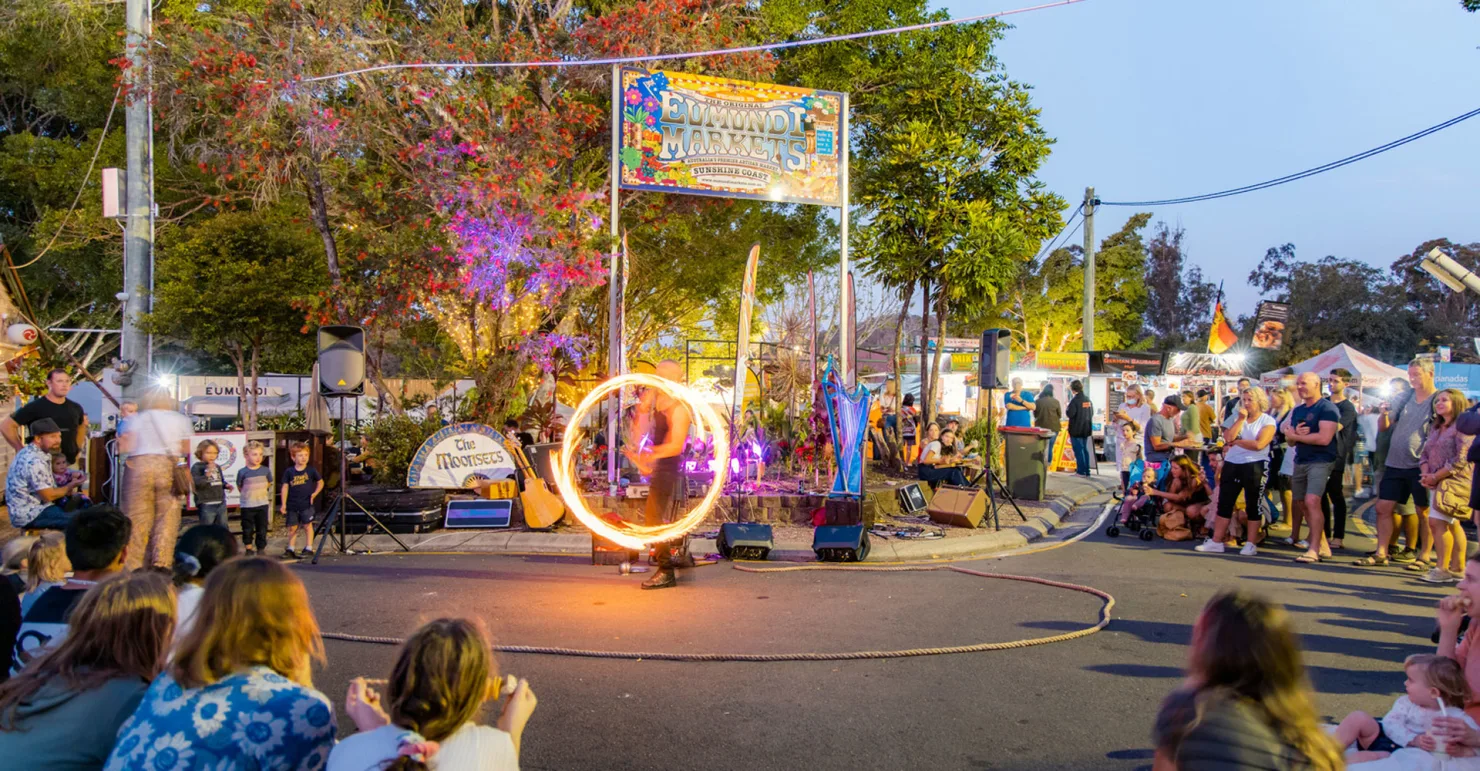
(1109, 604)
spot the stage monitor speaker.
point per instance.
(959, 506)
(604, 552)
(849, 511)
(995, 360)
(840, 543)
(341, 360)
(912, 498)
(744, 541)
(541, 457)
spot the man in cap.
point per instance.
(31, 489)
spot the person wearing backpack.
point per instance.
(1409, 419)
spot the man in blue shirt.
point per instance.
(1311, 430)
(31, 489)
(1019, 404)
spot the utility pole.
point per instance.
(138, 237)
(1089, 268)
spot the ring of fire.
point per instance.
(628, 534)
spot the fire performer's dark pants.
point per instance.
(667, 491)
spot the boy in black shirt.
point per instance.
(301, 485)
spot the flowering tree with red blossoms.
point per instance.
(477, 196)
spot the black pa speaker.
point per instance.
(840, 543)
(341, 360)
(995, 359)
(744, 541)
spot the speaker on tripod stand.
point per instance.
(342, 375)
(993, 367)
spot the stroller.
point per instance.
(1140, 519)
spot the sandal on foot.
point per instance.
(1309, 559)
(1371, 561)
(1418, 566)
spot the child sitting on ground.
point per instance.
(47, 566)
(441, 680)
(1436, 686)
(65, 477)
(198, 552)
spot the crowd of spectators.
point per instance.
(208, 666)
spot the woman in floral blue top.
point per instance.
(238, 695)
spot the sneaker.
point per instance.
(1210, 547)
(1405, 556)
(1437, 576)
(1249, 549)
(305, 554)
(289, 554)
(249, 552)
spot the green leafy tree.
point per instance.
(946, 149)
(1045, 307)
(1335, 301)
(1179, 302)
(235, 285)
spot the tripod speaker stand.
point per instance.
(988, 476)
(336, 511)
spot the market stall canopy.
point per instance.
(1368, 371)
(1205, 365)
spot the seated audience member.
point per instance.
(14, 562)
(1403, 734)
(197, 553)
(1135, 495)
(48, 567)
(96, 545)
(938, 462)
(238, 694)
(441, 680)
(1186, 499)
(1453, 610)
(69, 478)
(31, 491)
(64, 710)
(1246, 702)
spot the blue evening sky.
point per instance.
(1163, 98)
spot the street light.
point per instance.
(1450, 273)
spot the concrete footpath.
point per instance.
(1065, 492)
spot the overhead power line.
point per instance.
(1049, 248)
(1350, 159)
(689, 54)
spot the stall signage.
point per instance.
(1118, 362)
(1064, 361)
(458, 456)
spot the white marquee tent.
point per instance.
(1368, 372)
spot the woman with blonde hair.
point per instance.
(1245, 469)
(1246, 702)
(239, 693)
(64, 709)
(156, 440)
(1444, 470)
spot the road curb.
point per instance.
(1013, 535)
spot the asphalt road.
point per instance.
(1082, 704)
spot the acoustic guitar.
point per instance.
(542, 508)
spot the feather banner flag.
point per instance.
(1221, 337)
